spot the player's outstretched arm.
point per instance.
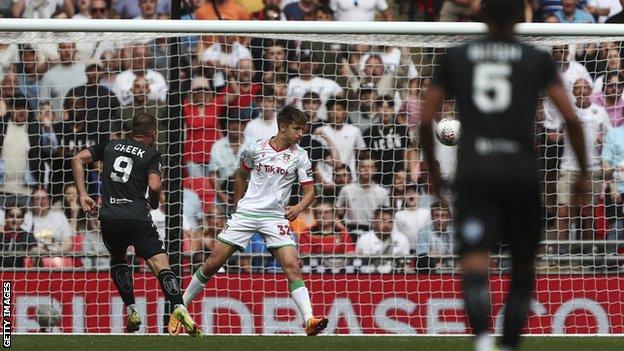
(559, 96)
(240, 184)
(155, 187)
(78, 169)
(433, 101)
(309, 194)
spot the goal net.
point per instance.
(66, 86)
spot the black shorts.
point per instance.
(120, 233)
(490, 215)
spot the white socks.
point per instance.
(195, 286)
(484, 342)
(302, 299)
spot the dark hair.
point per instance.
(19, 102)
(380, 211)
(332, 103)
(503, 12)
(608, 77)
(411, 187)
(291, 114)
(311, 96)
(267, 91)
(142, 124)
(437, 205)
(387, 99)
(324, 9)
(281, 77)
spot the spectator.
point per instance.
(241, 91)
(102, 105)
(372, 71)
(323, 13)
(388, 143)
(74, 134)
(94, 247)
(39, 9)
(317, 154)
(202, 120)
(308, 81)
(25, 147)
(9, 55)
(357, 202)
(193, 213)
(613, 163)
(111, 67)
(459, 10)
(549, 7)
(551, 18)
(270, 12)
(9, 89)
(60, 79)
(83, 10)
(140, 64)
(223, 56)
(327, 236)
(203, 241)
(50, 226)
(613, 65)
(101, 9)
(281, 90)
(412, 102)
(345, 139)
(436, 239)
(265, 125)
(365, 114)
(617, 17)
(274, 56)
(15, 240)
(603, 9)
(148, 10)
(297, 10)
(570, 14)
(311, 103)
(382, 242)
(189, 43)
(595, 122)
(128, 9)
(5, 8)
(360, 10)
(29, 78)
(398, 192)
(77, 218)
(142, 104)
(412, 218)
(225, 158)
(611, 98)
(222, 10)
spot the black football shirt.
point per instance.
(126, 166)
(496, 85)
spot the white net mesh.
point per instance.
(62, 92)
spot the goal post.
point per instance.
(211, 86)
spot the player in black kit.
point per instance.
(496, 82)
(130, 166)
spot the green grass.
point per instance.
(296, 343)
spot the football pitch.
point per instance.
(296, 343)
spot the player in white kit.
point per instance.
(274, 164)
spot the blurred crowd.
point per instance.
(363, 103)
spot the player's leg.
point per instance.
(219, 255)
(477, 215)
(289, 260)
(235, 236)
(523, 226)
(121, 274)
(276, 234)
(147, 245)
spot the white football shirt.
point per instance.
(273, 173)
(595, 123)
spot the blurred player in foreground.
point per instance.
(496, 82)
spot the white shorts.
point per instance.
(241, 227)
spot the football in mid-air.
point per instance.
(448, 131)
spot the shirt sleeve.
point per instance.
(304, 169)
(97, 151)
(154, 164)
(247, 156)
(381, 5)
